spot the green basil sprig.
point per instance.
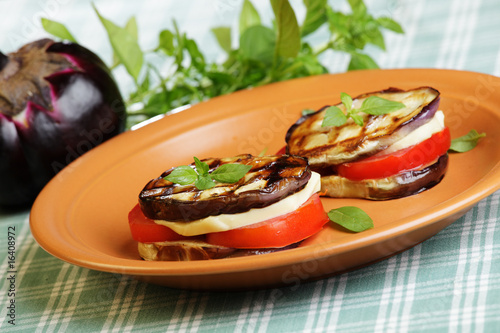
(372, 105)
(263, 53)
(201, 176)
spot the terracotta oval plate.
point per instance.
(81, 215)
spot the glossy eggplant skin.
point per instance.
(57, 101)
(271, 179)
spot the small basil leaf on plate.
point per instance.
(307, 112)
(466, 142)
(351, 218)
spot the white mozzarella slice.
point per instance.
(424, 132)
(226, 222)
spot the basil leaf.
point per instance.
(361, 61)
(390, 24)
(230, 173)
(57, 29)
(248, 16)
(183, 175)
(288, 32)
(124, 45)
(374, 36)
(315, 16)
(351, 218)
(201, 167)
(223, 36)
(258, 43)
(338, 23)
(307, 112)
(166, 42)
(466, 142)
(346, 100)
(197, 58)
(131, 27)
(376, 106)
(358, 7)
(204, 182)
(358, 120)
(334, 117)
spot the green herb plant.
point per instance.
(264, 54)
(203, 179)
(372, 105)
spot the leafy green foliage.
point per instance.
(57, 29)
(266, 53)
(125, 45)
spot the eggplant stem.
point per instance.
(3, 60)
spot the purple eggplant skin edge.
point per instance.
(87, 109)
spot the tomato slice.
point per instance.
(282, 151)
(145, 230)
(380, 166)
(280, 231)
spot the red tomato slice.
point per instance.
(380, 166)
(280, 231)
(145, 230)
(282, 151)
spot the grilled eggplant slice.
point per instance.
(197, 250)
(270, 179)
(327, 146)
(397, 186)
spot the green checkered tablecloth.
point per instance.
(449, 283)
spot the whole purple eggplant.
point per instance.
(57, 101)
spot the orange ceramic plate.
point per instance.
(81, 215)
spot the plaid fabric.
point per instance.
(450, 282)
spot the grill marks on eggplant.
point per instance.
(335, 145)
(271, 179)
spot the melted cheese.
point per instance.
(435, 125)
(226, 222)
